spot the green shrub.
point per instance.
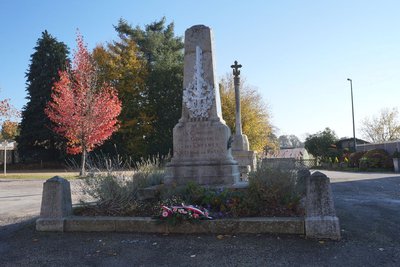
(271, 192)
(275, 191)
(396, 154)
(355, 157)
(378, 158)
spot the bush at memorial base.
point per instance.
(271, 192)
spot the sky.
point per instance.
(298, 54)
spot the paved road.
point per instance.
(368, 206)
(21, 199)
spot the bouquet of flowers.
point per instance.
(184, 212)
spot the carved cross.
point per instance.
(236, 67)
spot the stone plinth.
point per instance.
(247, 162)
(56, 204)
(201, 139)
(321, 220)
(246, 158)
(240, 143)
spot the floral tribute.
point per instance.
(184, 212)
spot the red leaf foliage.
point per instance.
(83, 110)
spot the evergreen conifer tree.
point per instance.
(163, 52)
(37, 142)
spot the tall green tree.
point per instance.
(321, 144)
(163, 52)
(36, 140)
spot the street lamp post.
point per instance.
(352, 111)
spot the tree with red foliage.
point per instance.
(82, 109)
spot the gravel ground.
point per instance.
(368, 209)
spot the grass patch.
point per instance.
(39, 175)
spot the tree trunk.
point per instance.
(83, 162)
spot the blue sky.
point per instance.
(298, 54)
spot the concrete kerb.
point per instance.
(254, 225)
(320, 220)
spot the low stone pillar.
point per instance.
(56, 205)
(321, 220)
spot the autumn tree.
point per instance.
(163, 53)
(9, 130)
(7, 111)
(383, 127)
(120, 63)
(256, 122)
(36, 140)
(321, 144)
(272, 145)
(83, 110)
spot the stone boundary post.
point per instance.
(56, 205)
(321, 220)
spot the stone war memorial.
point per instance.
(202, 153)
(201, 139)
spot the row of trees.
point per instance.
(145, 67)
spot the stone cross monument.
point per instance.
(201, 139)
(240, 141)
(240, 145)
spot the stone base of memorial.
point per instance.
(201, 154)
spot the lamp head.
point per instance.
(349, 79)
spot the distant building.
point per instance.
(289, 158)
(12, 154)
(348, 143)
(291, 153)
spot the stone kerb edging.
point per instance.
(149, 225)
(314, 225)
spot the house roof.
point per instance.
(358, 141)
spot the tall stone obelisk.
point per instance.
(201, 139)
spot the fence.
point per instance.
(390, 147)
(289, 163)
